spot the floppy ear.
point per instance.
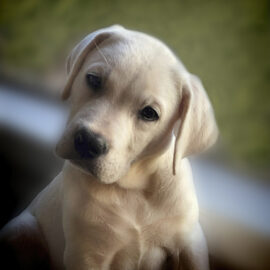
(77, 56)
(197, 130)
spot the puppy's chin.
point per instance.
(93, 171)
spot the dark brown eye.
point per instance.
(93, 81)
(148, 114)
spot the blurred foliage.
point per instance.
(226, 43)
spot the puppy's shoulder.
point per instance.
(22, 244)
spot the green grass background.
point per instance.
(226, 43)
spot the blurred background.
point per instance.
(225, 43)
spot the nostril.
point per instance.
(93, 150)
(80, 143)
(79, 138)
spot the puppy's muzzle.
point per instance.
(90, 145)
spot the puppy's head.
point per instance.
(129, 95)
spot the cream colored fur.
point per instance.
(135, 207)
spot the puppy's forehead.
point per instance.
(134, 62)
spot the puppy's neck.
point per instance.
(150, 179)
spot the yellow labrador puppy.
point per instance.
(125, 198)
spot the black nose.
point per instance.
(89, 145)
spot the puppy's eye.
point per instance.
(94, 81)
(148, 114)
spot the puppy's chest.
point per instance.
(148, 240)
(132, 234)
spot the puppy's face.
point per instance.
(124, 103)
(127, 91)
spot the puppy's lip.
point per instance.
(80, 164)
(64, 154)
